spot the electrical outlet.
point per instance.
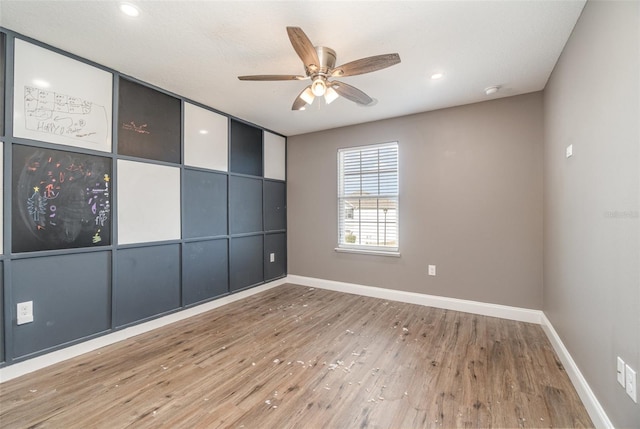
(24, 312)
(569, 151)
(620, 372)
(272, 257)
(432, 270)
(631, 383)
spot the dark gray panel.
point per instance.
(148, 282)
(2, 357)
(245, 202)
(276, 244)
(246, 262)
(246, 149)
(204, 270)
(205, 204)
(274, 206)
(71, 297)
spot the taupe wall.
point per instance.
(471, 203)
(592, 225)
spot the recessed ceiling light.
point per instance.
(129, 9)
(204, 132)
(437, 76)
(491, 90)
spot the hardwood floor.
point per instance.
(297, 357)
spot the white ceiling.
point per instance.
(198, 48)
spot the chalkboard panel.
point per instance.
(148, 282)
(246, 149)
(276, 245)
(3, 62)
(274, 206)
(204, 204)
(1, 197)
(60, 200)
(71, 297)
(246, 262)
(245, 202)
(148, 123)
(2, 357)
(205, 272)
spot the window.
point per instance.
(368, 198)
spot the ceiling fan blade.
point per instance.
(351, 93)
(366, 65)
(272, 77)
(305, 97)
(303, 47)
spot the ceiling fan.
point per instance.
(319, 65)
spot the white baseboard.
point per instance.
(482, 308)
(591, 403)
(21, 368)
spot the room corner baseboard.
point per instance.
(21, 368)
(481, 308)
(591, 403)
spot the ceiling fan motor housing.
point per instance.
(327, 58)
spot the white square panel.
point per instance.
(148, 202)
(275, 149)
(205, 138)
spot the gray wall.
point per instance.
(470, 202)
(592, 231)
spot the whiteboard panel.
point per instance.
(205, 138)
(274, 156)
(60, 100)
(148, 202)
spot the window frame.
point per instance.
(363, 248)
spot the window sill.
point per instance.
(367, 252)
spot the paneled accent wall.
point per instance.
(123, 202)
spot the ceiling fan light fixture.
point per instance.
(330, 95)
(318, 87)
(308, 96)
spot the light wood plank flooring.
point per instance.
(297, 357)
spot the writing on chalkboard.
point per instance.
(140, 129)
(64, 115)
(61, 200)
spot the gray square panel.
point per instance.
(246, 258)
(148, 282)
(275, 246)
(245, 201)
(205, 270)
(275, 209)
(71, 297)
(204, 204)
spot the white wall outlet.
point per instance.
(432, 270)
(569, 151)
(272, 257)
(620, 371)
(631, 385)
(25, 312)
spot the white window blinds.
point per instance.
(368, 197)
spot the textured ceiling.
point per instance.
(198, 48)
